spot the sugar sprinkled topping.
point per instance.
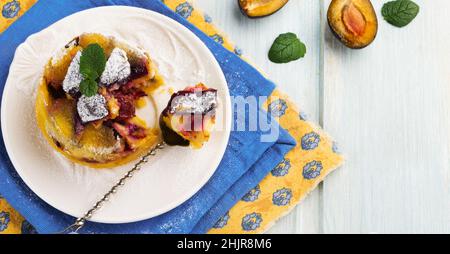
(71, 83)
(117, 67)
(133, 49)
(194, 103)
(92, 108)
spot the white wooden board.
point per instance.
(387, 105)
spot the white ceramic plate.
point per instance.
(171, 177)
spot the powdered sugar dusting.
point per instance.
(71, 83)
(92, 108)
(59, 55)
(194, 103)
(133, 49)
(74, 188)
(106, 149)
(117, 67)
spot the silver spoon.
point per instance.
(81, 221)
(170, 138)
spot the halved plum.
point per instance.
(260, 8)
(353, 22)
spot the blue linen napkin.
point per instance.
(245, 163)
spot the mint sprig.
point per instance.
(92, 65)
(88, 87)
(400, 13)
(286, 48)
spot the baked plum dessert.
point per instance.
(189, 116)
(87, 100)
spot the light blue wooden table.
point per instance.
(387, 105)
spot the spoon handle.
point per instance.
(81, 221)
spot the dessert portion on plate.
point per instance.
(189, 116)
(87, 100)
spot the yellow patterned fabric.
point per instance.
(11, 222)
(302, 169)
(12, 10)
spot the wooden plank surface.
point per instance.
(387, 105)
(299, 79)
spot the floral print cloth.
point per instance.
(302, 169)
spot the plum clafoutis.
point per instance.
(189, 116)
(101, 130)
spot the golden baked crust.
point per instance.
(116, 139)
(189, 116)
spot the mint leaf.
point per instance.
(88, 87)
(286, 48)
(400, 13)
(92, 65)
(92, 61)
